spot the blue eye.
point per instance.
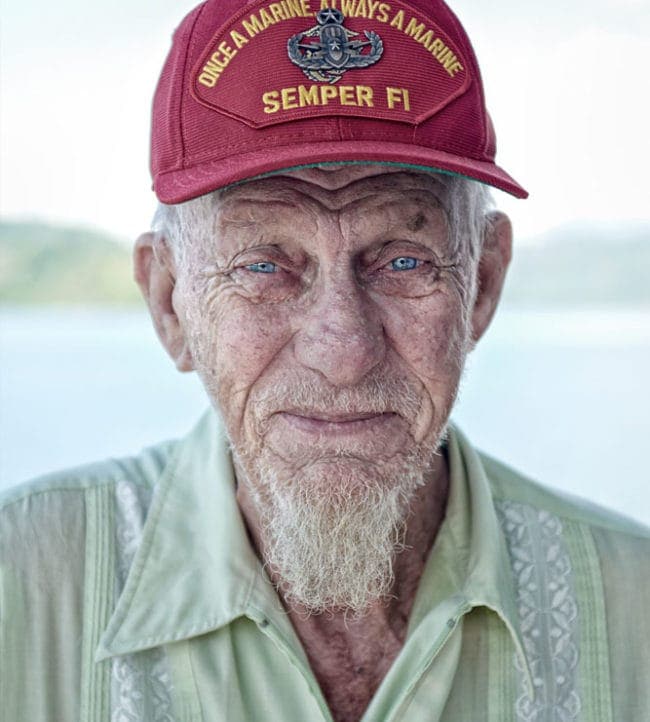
(404, 263)
(262, 267)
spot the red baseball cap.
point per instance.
(254, 89)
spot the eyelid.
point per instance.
(402, 249)
(271, 252)
(255, 253)
(405, 247)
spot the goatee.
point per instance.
(332, 533)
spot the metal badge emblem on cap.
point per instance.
(257, 88)
(334, 51)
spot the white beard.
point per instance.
(331, 533)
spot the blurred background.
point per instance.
(558, 388)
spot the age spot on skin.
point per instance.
(416, 223)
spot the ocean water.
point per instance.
(563, 396)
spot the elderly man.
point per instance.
(324, 545)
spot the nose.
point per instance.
(341, 336)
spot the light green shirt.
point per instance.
(129, 591)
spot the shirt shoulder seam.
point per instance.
(83, 485)
(617, 524)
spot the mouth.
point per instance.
(336, 423)
(334, 417)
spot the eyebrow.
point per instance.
(255, 203)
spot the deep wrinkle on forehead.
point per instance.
(289, 189)
(402, 203)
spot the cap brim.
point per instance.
(187, 183)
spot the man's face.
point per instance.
(342, 289)
(326, 315)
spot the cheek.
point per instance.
(236, 341)
(429, 336)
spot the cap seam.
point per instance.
(190, 50)
(475, 76)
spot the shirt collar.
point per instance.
(469, 561)
(195, 570)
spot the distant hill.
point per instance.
(582, 265)
(42, 263)
(574, 265)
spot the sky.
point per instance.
(567, 85)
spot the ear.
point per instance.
(493, 264)
(155, 272)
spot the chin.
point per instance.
(332, 531)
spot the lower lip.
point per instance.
(346, 427)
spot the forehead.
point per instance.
(337, 189)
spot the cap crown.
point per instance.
(251, 88)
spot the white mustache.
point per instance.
(377, 395)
